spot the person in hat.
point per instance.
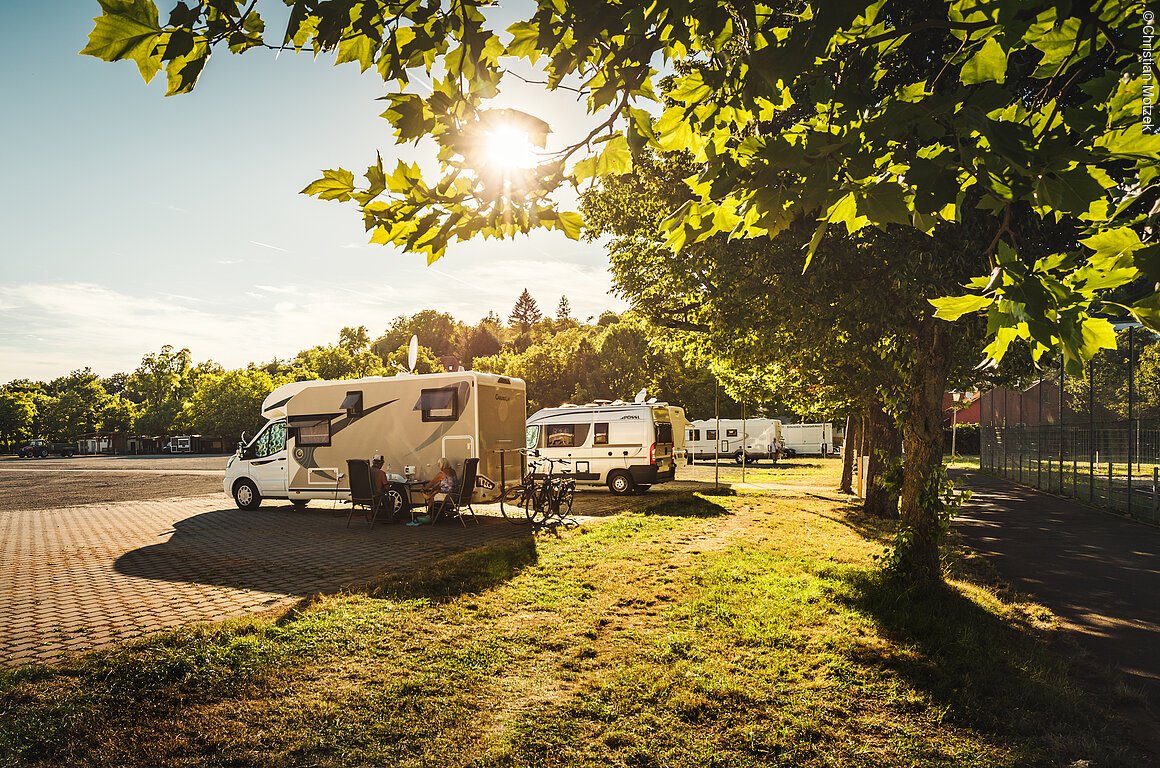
(379, 481)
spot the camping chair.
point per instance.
(459, 500)
(361, 495)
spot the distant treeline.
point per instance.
(562, 359)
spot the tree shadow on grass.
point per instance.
(987, 672)
(689, 505)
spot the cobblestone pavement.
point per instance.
(85, 577)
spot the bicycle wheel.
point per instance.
(567, 496)
(517, 496)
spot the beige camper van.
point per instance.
(412, 420)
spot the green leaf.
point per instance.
(1113, 242)
(183, 71)
(570, 223)
(358, 48)
(334, 185)
(1096, 333)
(987, 65)
(845, 211)
(953, 307)
(1073, 191)
(615, 158)
(128, 29)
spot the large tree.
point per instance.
(973, 113)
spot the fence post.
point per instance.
(1091, 430)
(1155, 481)
(1111, 506)
(1131, 402)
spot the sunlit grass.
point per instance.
(736, 630)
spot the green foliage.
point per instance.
(943, 500)
(846, 116)
(229, 403)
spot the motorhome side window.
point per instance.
(561, 435)
(731, 433)
(710, 434)
(311, 430)
(696, 434)
(440, 404)
(600, 435)
(272, 440)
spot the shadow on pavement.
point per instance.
(984, 672)
(282, 551)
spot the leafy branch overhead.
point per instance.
(847, 114)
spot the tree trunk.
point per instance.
(923, 445)
(884, 445)
(848, 456)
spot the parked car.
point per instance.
(40, 449)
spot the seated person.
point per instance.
(444, 482)
(379, 481)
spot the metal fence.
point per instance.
(1096, 438)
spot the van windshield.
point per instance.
(532, 437)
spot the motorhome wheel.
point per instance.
(620, 483)
(739, 457)
(246, 495)
(394, 503)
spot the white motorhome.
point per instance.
(626, 446)
(315, 426)
(748, 440)
(808, 439)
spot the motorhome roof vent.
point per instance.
(353, 403)
(602, 402)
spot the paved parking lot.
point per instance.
(77, 578)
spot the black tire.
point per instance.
(43, 454)
(621, 483)
(246, 495)
(640, 489)
(739, 457)
(394, 503)
(566, 500)
(300, 503)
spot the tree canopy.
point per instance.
(846, 114)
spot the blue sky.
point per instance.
(131, 220)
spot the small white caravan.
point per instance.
(808, 439)
(626, 446)
(755, 439)
(315, 426)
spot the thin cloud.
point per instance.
(271, 247)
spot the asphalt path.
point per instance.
(1099, 573)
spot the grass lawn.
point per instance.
(736, 630)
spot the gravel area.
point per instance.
(55, 483)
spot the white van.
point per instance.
(315, 426)
(748, 441)
(809, 439)
(626, 446)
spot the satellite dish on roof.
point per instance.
(652, 400)
(412, 353)
(640, 396)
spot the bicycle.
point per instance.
(551, 506)
(546, 500)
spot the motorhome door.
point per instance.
(457, 448)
